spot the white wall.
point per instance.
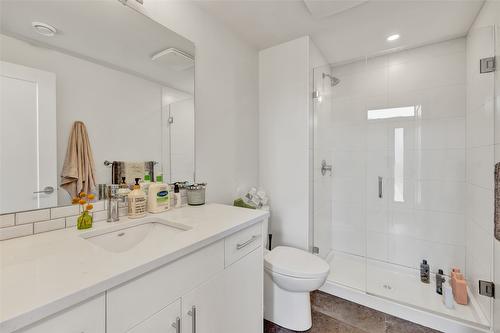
(483, 150)
(226, 99)
(181, 140)
(285, 137)
(122, 112)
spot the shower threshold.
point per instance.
(398, 291)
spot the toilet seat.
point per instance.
(295, 263)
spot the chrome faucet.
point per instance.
(113, 202)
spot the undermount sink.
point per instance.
(125, 235)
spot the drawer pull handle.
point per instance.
(239, 246)
(192, 313)
(177, 325)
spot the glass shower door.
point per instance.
(339, 194)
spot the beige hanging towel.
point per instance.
(78, 172)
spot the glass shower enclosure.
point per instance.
(409, 136)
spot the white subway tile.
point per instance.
(98, 206)
(7, 220)
(16, 231)
(71, 221)
(59, 212)
(100, 215)
(49, 225)
(33, 216)
(123, 211)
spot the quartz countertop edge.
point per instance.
(216, 232)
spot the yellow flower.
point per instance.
(82, 201)
(91, 196)
(83, 194)
(74, 201)
(89, 207)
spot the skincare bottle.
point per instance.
(424, 272)
(145, 186)
(177, 196)
(136, 201)
(439, 282)
(158, 197)
(123, 190)
(460, 289)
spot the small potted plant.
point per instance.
(85, 201)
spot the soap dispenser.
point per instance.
(136, 201)
(439, 282)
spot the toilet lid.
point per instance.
(294, 262)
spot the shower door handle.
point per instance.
(380, 187)
(325, 167)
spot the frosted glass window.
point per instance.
(405, 111)
(399, 151)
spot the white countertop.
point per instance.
(45, 273)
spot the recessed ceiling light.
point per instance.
(44, 29)
(392, 38)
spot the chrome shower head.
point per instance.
(333, 80)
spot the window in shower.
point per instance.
(399, 152)
(405, 111)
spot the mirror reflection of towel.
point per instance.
(78, 172)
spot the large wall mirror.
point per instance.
(90, 81)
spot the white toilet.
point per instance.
(289, 275)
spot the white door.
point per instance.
(28, 157)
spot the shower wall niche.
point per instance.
(394, 130)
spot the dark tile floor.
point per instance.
(332, 314)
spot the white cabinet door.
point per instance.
(166, 320)
(230, 302)
(203, 308)
(86, 317)
(243, 286)
(28, 158)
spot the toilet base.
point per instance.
(291, 310)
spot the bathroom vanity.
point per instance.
(193, 269)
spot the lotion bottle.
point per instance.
(158, 197)
(136, 201)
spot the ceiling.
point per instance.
(345, 30)
(105, 32)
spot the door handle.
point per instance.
(192, 313)
(177, 325)
(380, 187)
(325, 167)
(46, 190)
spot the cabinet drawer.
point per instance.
(242, 243)
(134, 301)
(86, 317)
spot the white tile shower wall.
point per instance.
(480, 160)
(430, 223)
(43, 220)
